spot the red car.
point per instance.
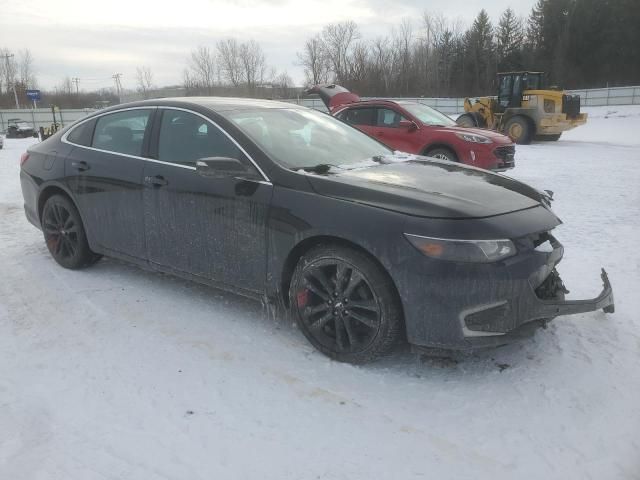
(416, 128)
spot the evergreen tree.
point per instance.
(480, 52)
(509, 38)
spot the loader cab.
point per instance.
(512, 85)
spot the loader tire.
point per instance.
(466, 120)
(519, 129)
(548, 138)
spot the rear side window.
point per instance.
(185, 138)
(358, 116)
(121, 132)
(81, 135)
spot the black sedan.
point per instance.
(365, 247)
(17, 128)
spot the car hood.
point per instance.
(430, 188)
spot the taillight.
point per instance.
(24, 158)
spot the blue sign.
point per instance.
(33, 94)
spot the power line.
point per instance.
(6, 57)
(116, 78)
(76, 80)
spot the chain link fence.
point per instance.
(42, 117)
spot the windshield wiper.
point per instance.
(321, 168)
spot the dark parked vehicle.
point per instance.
(276, 201)
(17, 128)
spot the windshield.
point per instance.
(302, 138)
(427, 115)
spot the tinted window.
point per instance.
(121, 132)
(358, 116)
(185, 138)
(504, 94)
(81, 135)
(388, 118)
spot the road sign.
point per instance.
(33, 94)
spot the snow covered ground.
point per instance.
(117, 373)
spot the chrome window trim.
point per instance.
(64, 139)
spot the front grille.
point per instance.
(571, 105)
(506, 154)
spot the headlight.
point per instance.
(471, 137)
(476, 251)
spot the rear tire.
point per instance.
(345, 304)
(64, 234)
(442, 153)
(548, 138)
(519, 129)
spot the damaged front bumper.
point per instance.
(494, 325)
(480, 306)
(604, 301)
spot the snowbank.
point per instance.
(117, 373)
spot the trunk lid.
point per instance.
(334, 96)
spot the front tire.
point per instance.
(442, 154)
(519, 130)
(345, 304)
(64, 234)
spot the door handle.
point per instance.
(81, 166)
(156, 181)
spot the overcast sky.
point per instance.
(93, 40)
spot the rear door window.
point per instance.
(122, 132)
(81, 135)
(358, 116)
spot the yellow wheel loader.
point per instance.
(524, 110)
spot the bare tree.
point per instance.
(253, 64)
(314, 60)
(403, 39)
(230, 63)
(382, 57)
(202, 68)
(144, 80)
(338, 39)
(25, 69)
(282, 85)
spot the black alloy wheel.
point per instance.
(64, 234)
(345, 305)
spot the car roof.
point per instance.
(371, 103)
(216, 104)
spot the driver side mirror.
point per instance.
(222, 167)
(409, 125)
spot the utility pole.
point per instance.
(76, 80)
(8, 69)
(116, 78)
